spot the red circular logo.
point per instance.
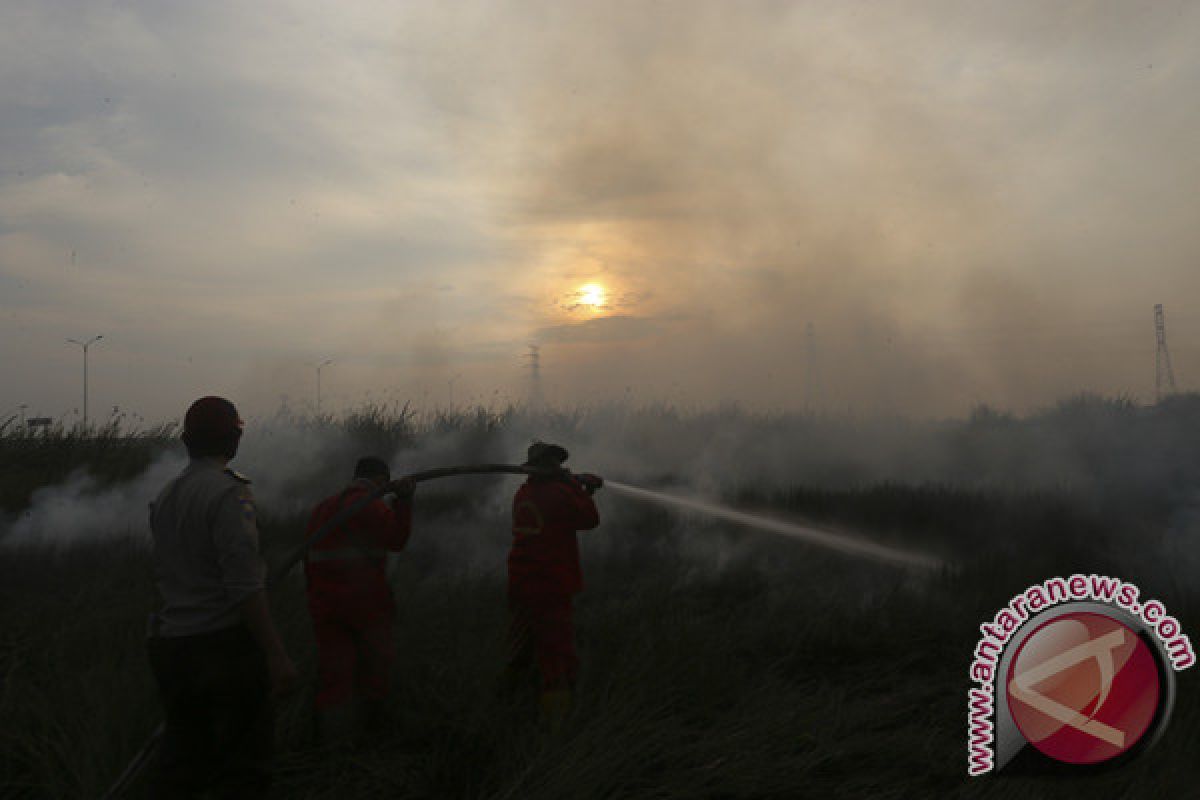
(1083, 688)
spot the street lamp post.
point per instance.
(320, 367)
(85, 346)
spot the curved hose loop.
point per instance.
(285, 566)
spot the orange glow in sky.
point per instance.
(593, 295)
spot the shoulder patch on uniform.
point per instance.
(247, 508)
(236, 475)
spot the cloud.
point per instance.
(252, 184)
(602, 329)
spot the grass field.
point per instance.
(717, 662)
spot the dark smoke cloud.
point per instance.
(962, 200)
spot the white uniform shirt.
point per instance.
(206, 560)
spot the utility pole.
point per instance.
(85, 346)
(535, 376)
(320, 367)
(450, 390)
(1163, 374)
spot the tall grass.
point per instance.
(33, 458)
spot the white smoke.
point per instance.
(80, 510)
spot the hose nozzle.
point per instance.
(589, 481)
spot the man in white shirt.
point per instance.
(213, 647)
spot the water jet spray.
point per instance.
(843, 543)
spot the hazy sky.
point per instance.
(969, 202)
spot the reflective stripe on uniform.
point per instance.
(539, 524)
(347, 554)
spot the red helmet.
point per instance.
(212, 419)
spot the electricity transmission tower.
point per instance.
(1163, 374)
(535, 376)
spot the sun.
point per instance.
(593, 295)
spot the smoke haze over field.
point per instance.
(968, 202)
(1111, 455)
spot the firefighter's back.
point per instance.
(350, 561)
(544, 558)
(350, 601)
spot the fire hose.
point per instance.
(285, 566)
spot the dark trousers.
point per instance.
(220, 725)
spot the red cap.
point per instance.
(212, 418)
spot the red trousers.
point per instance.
(355, 652)
(540, 629)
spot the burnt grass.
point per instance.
(717, 662)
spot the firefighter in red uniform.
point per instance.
(351, 602)
(544, 575)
